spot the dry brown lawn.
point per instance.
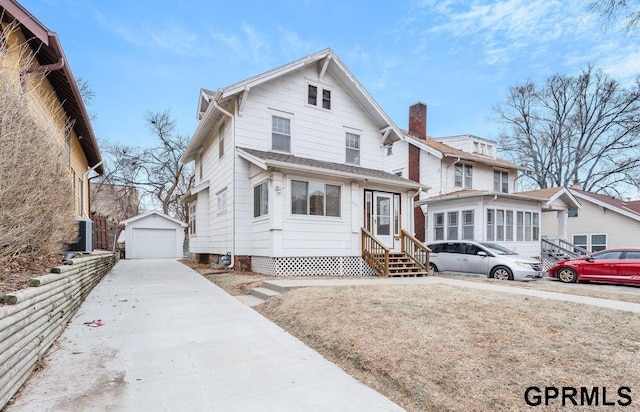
(442, 348)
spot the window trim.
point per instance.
(349, 148)
(221, 201)
(455, 215)
(290, 135)
(466, 225)
(500, 181)
(263, 188)
(320, 101)
(192, 219)
(438, 227)
(308, 202)
(463, 176)
(591, 244)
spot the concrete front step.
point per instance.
(264, 293)
(250, 300)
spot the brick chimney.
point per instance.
(417, 128)
(418, 120)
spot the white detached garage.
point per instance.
(153, 235)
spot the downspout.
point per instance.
(233, 184)
(86, 174)
(46, 68)
(447, 175)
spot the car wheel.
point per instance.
(501, 273)
(432, 268)
(567, 275)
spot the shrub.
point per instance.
(36, 206)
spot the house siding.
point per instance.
(315, 132)
(621, 230)
(42, 98)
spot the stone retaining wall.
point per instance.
(35, 317)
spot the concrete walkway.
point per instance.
(288, 284)
(173, 341)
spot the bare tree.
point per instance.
(157, 171)
(581, 128)
(625, 11)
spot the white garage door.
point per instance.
(153, 244)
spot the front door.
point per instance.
(383, 218)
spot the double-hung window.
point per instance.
(467, 224)
(499, 225)
(463, 176)
(491, 221)
(527, 226)
(315, 199)
(598, 242)
(312, 95)
(452, 226)
(438, 226)
(261, 199)
(500, 181)
(192, 219)
(519, 226)
(281, 134)
(508, 232)
(353, 148)
(222, 200)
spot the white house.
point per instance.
(290, 166)
(472, 194)
(594, 221)
(153, 235)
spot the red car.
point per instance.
(611, 265)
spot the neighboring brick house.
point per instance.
(51, 73)
(115, 202)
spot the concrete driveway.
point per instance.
(173, 341)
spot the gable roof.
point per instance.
(442, 150)
(211, 104)
(264, 160)
(627, 208)
(156, 213)
(48, 51)
(554, 194)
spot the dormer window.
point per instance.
(319, 97)
(312, 95)
(326, 99)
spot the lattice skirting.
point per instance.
(311, 266)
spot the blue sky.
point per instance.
(458, 57)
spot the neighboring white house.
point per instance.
(153, 235)
(290, 165)
(601, 222)
(472, 195)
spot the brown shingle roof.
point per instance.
(339, 167)
(543, 193)
(449, 151)
(629, 206)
